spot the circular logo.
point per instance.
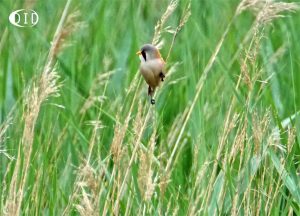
(24, 18)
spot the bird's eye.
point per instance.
(144, 54)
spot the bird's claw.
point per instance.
(162, 76)
(152, 101)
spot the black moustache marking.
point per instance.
(144, 55)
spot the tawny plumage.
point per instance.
(152, 67)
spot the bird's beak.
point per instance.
(139, 52)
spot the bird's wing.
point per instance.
(157, 67)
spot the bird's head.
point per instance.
(148, 52)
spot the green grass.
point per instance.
(236, 152)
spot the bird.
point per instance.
(152, 68)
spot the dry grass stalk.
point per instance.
(35, 191)
(249, 4)
(196, 193)
(249, 62)
(3, 129)
(110, 192)
(163, 183)
(276, 132)
(264, 124)
(239, 140)
(89, 201)
(229, 125)
(135, 85)
(41, 90)
(185, 17)
(45, 87)
(120, 158)
(208, 68)
(101, 80)
(238, 147)
(269, 193)
(168, 209)
(207, 193)
(129, 205)
(145, 174)
(134, 152)
(63, 31)
(257, 6)
(271, 198)
(160, 24)
(89, 181)
(158, 30)
(278, 54)
(138, 121)
(291, 139)
(246, 75)
(97, 125)
(273, 10)
(190, 108)
(274, 191)
(260, 128)
(269, 9)
(266, 10)
(176, 210)
(117, 148)
(261, 186)
(223, 139)
(282, 173)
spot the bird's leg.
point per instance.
(162, 76)
(149, 90)
(150, 93)
(152, 101)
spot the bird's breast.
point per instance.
(151, 70)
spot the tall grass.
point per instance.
(78, 135)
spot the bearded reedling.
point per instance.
(152, 67)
